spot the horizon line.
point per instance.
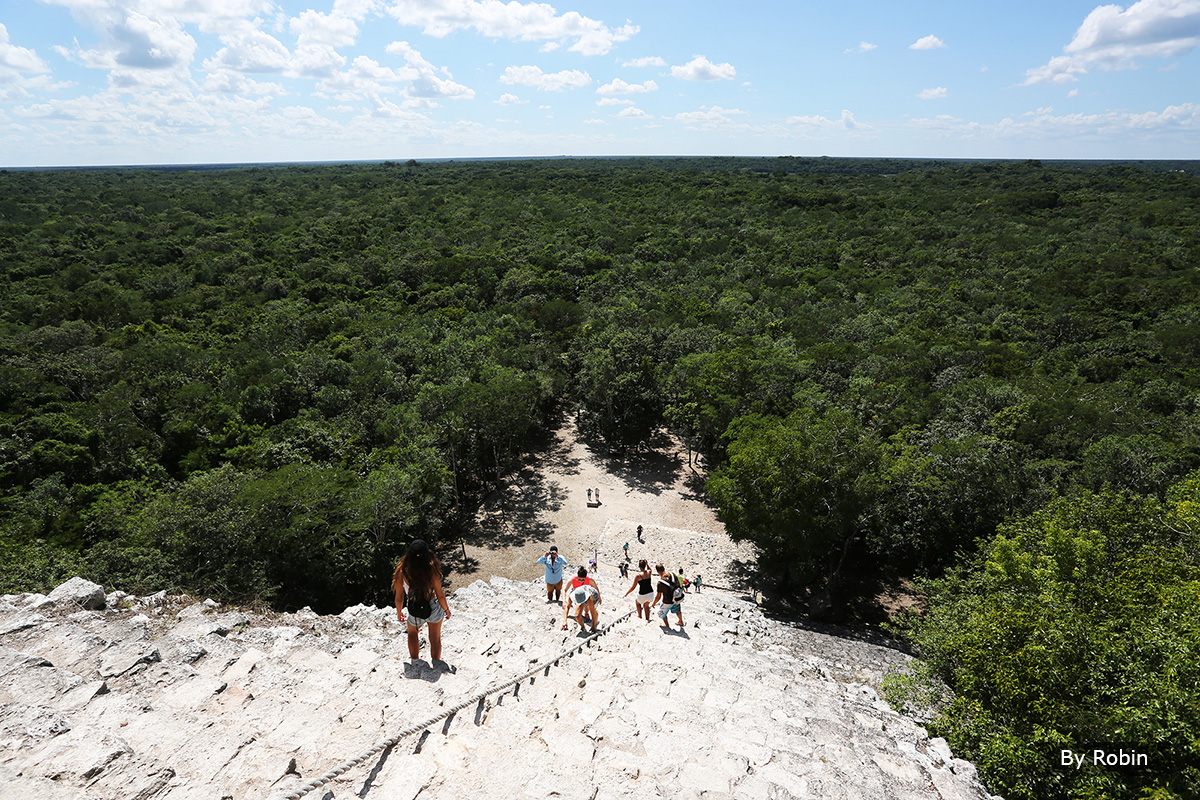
(217, 165)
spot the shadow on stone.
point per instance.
(370, 781)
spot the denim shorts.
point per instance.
(436, 615)
(665, 609)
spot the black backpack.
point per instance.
(678, 594)
(419, 607)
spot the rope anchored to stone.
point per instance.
(379, 748)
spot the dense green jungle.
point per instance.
(261, 383)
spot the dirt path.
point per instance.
(546, 502)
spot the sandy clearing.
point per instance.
(546, 502)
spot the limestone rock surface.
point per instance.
(79, 592)
(165, 697)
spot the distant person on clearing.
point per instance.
(554, 573)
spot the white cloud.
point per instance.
(17, 60)
(226, 81)
(315, 28)
(423, 78)
(385, 109)
(316, 61)
(701, 69)
(112, 117)
(618, 86)
(545, 81)
(222, 17)
(863, 47)
(709, 117)
(142, 42)
(365, 78)
(252, 51)
(614, 101)
(507, 99)
(1059, 70)
(632, 112)
(1073, 93)
(22, 72)
(645, 61)
(1074, 132)
(512, 20)
(1112, 38)
(929, 42)
(818, 123)
(356, 9)
(933, 94)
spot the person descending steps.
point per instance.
(670, 594)
(644, 583)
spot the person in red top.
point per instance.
(584, 594)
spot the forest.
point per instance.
(261, 383)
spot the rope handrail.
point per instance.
(379, 748)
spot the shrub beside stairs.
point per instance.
(163, 697)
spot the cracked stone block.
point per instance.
(123, 657)
(79, 592)
(21, 621)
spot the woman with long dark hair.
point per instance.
(420, 600)
(644, 583)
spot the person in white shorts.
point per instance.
(644, 583)
(584, 594)
(417, 583)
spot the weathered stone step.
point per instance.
(642, 714)
(188, 700)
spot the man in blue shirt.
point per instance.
(554, 574)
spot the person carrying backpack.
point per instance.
(670, 594)
(417, 584)
(584, 595)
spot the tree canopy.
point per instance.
(315, 364)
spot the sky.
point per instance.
(104, 82)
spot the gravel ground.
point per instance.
(547, 503)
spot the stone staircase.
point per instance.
(170, 698)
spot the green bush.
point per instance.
(1076, 625)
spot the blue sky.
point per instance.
(92, 82)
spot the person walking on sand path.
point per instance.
(554, 574)
(417, 584)
(666, 595)
(644, 583)
(640, 539)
